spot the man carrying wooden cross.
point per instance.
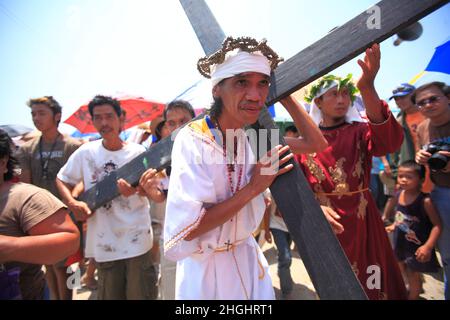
(340, 175)
(215, 197)
(119, 234)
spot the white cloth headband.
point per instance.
(325, 89)
(314, 112)
(237, 62)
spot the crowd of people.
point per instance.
(187, 232)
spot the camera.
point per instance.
(437, 161)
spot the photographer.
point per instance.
(434, 136)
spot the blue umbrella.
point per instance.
(15, 130)
(95, 135)
(440, 62)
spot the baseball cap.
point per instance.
(402, 90)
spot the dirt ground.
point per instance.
(303, 288)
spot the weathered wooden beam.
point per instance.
(158, 157)
(209, 32)
(347, 42)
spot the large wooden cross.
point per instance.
(321, 252)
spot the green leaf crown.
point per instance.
(327, 81)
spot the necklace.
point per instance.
(230, 166)
(230, 170)
(44, 164)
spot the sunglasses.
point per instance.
(431, 100)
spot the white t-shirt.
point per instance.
(120, 229)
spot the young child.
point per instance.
(416, 229)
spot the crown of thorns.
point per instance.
(245, 44)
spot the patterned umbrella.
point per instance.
(138, 110)
(15, 130)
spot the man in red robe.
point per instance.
(340, 174)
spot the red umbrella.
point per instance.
(138, 110)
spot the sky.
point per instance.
(75, 49)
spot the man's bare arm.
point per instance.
(48, 242)
(80, 209)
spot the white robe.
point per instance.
(205, 269)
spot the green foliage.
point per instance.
(327, 80)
